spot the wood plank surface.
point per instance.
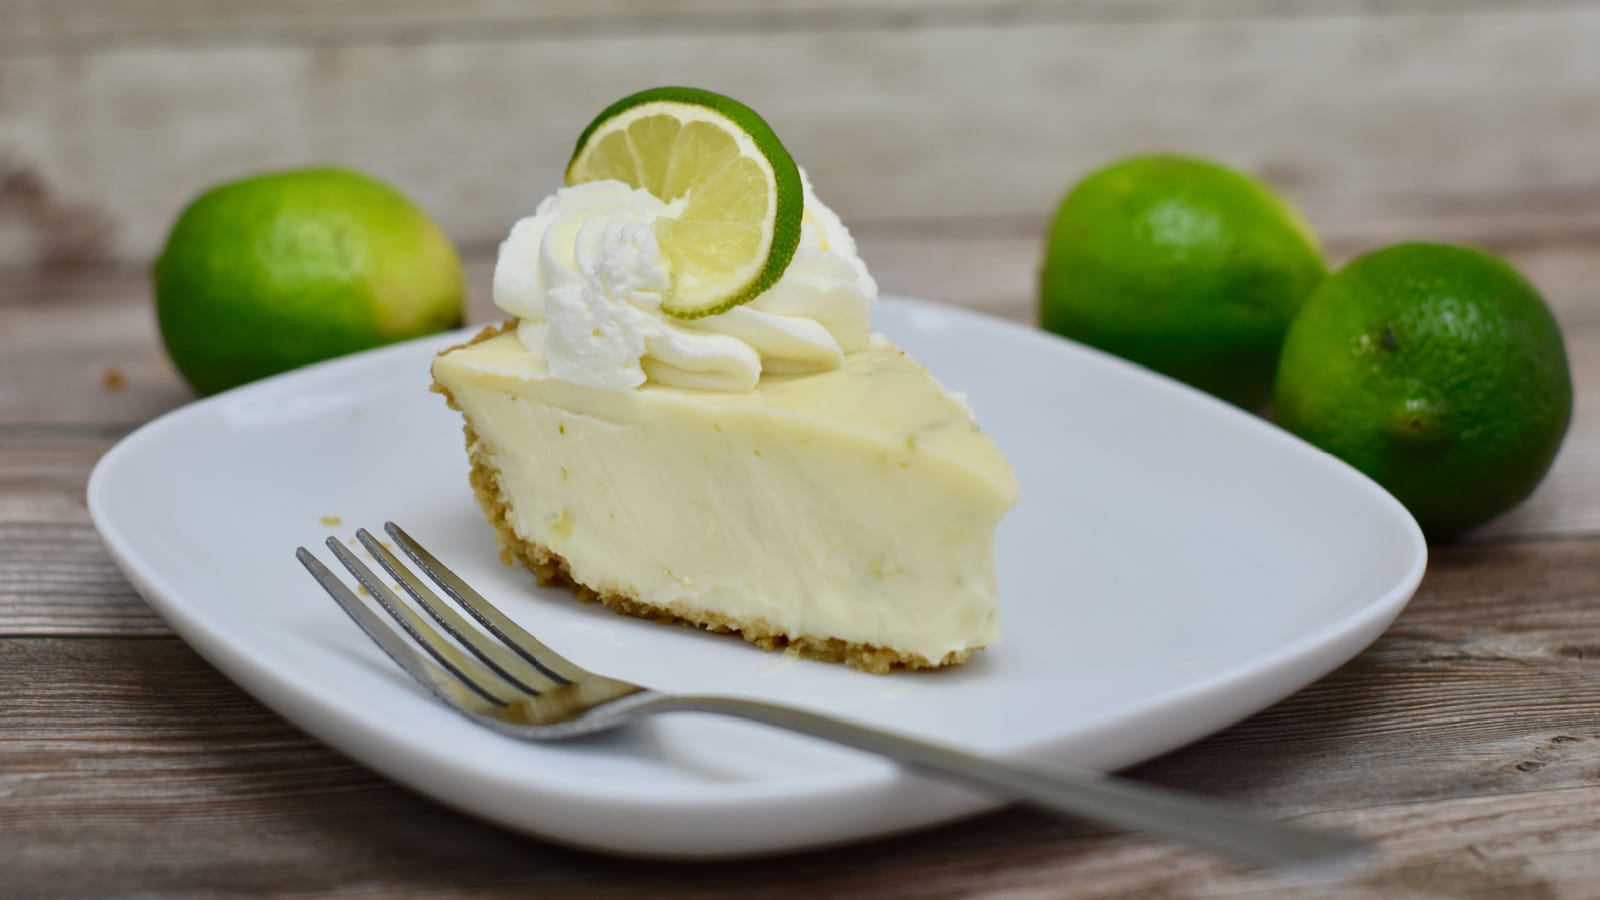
(970, 119)
(172, 779)
(32, 25)
(55, 577)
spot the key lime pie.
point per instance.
(689, 418)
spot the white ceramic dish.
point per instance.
(1173, 566)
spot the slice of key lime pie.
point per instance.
(689, 418)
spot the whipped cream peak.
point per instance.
(585, 277)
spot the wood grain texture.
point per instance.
(55, 577)
(52, 25)
(1466, 737)
(984, 119)
(60, 337)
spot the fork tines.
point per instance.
(504, 663)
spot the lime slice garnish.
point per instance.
(734, 192)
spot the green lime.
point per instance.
(736, 192)
(277, 271)
(1182, 265)
(1438, 371)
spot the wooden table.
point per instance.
(1467, 739)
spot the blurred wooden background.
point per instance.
(1411, 117)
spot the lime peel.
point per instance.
(735, 194)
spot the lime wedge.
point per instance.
(733, 190)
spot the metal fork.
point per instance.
(514, 684)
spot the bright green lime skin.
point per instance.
(1182, 265)
(1439, 372)
(269, 273)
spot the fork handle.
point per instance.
(1117, 802)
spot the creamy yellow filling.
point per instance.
(857, 504)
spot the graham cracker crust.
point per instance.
(550, 568)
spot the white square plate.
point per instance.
(1174, 565)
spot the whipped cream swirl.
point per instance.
(585, 276)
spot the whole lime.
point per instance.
(277, 271)
(1182, 265)
(1437, 370)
